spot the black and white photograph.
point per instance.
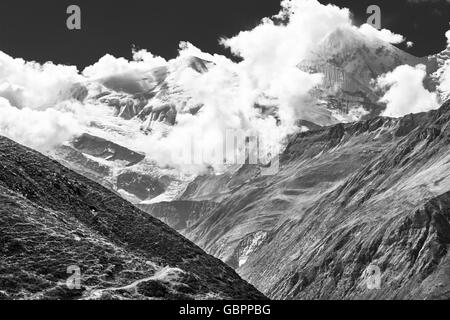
(258, 152)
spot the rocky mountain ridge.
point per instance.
(347, 198)
(54, 222)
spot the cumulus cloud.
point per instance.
(405, 92)
(383, 34)
(30, 84)
(273, 48)
(122, 75)
(109, 65)
(40, 103)
(41, 130)
(29, 93)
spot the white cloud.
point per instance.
(30, 84)
(383, 34)
(38, 105)
(405, 92)
(121, 74)
(109, 65)
(272, 50)
(41, 130)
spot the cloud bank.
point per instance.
(383, 34)
(41, 130)
(405, 92)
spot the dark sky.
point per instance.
(36, 30)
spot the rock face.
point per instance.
(55, 223)
(180, 215)
(102, 148)
(114, 166)
(350, 202)
(142, 186)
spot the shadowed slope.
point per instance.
(52, 218)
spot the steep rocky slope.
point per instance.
(180, 215)
(116, 167)
(347, 198)
(152, 95)
(53, 220)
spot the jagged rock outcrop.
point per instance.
(54, 221)
(102, 148)
(116, 167)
